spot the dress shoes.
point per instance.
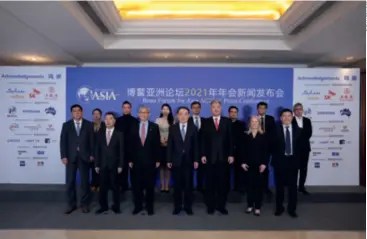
(85, 209)
(189, 211)
(101, 210)
(210, 211)
(137, 210)
(116, 210)
(292, 214)
(223, 211)
(176, 211)
(279, 212)
(69, 210)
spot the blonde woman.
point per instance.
(254, 162)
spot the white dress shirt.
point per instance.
(111, 132)
(198, 118)
(299, 121)
(185, 127)
(76, 123)
(291, 136)
(218, 117)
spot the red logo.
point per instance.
(347, 95)
(51, 95)
(34, 93)
(330, 95)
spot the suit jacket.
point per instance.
(278, 147)
(238, 131)
(254, 150)
(306, 133)
(124, 124)
(109, 156)
(183, 152)
(191, 121)
(70, 141)
(149, 153)
(216, 145)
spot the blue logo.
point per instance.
(311, 92)
(54, 76)
(47, 140)
(22, 163)
(40, 152)
(15, 91)
(50, 110)
(346, 112)
(353, 78)
(317, 165)
(335, 154)
(308, 111)
(12, 112)
(32, 111)
(86, 94)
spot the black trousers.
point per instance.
(109, 180)
(266, 178)
(123, 178)
(71, 169)
(303, 169)
(217, 184)
(183, 178)
(143, 181)
(239, 174)
(95, 176)
(254, 186)
(286, 176)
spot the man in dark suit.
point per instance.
(238, 129)
(285, 162)
(145, 143)
(77, 152)
(217, 155)
(197, 120)
(305, 125)
(98, 124)
(182, 157)
(124, 124)
(268, 126)
(109, 160)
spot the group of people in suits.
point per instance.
(118, 147)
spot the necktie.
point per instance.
(288, 150)
(78, 128)
(262, 123)
(216, 123)
(183, 132)
(142, 134)
(197, 122)
(108, 136)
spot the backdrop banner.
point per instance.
(331, 98)
(33, 106)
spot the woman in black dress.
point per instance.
(98, 124)
(254, 162)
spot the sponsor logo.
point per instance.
(47, 140)
(352, 78)
(40, 158)
(335, 154)
(50, 110)
(50, 127)
(345, 129)
(15, 93)
(335, 164)
(32, 140)
(346, 112)
(329, 95)
(86, 94)
(347, 95)
(31, 111)
(40, 163)
(13, 127)
(334, 148)
(51, 94)
(12, 112)
(325, 113)
(33, 94)
(39, 152)
(317, 164)
(328, 129)
(33, 127)
(316, 153)
(13, 140)
(310, 92)
(307, 112)
(343, 141)
(57, 76)
(39, 147)
(21, 152)
(22, 163)
(324, 142)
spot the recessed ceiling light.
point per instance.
(166, 56)
(33, 59)
(350, 58)
(227, 57)
(196, 57)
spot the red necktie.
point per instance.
(142, 134)
(108, 137)
(216, 123)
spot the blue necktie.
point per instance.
(197, 122)
(288, 150)
(183, 132)
(78, 128)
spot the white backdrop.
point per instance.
(331, 98)
(33, 106)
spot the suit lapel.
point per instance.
(281, 133)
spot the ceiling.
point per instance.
(319, 33)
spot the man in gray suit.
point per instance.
(77, 150)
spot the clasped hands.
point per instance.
(230, 160)
(119, 170)
(246, 167)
